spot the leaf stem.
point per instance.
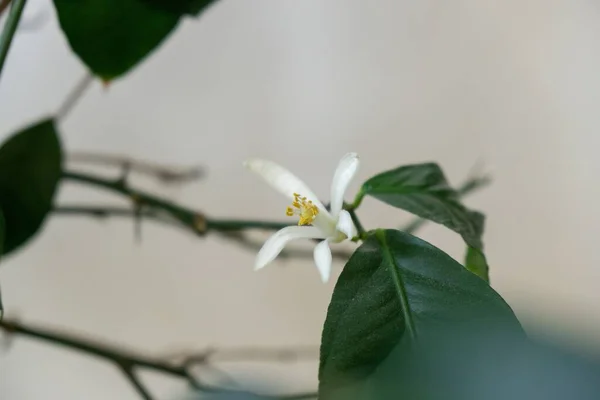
(10, 27)
(357, 200)
(74, 96)
(362, 233)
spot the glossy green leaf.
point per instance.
(422, 189)
(397, 289)
(476, 262)
(112, 36)
(30, 168)
(193, 7)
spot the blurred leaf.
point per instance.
(112, 36)
(476, 262)
(2, 227)
(367, 321)
(30, 168)
(193, 7)
(422, 189)
(491, 365)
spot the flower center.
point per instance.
(305, 209)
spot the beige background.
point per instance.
(514, 84)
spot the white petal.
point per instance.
(345, 224)
(341, 179)
(325, 223)
(279, 239)
(283, 180)
(323, 260)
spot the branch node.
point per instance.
(200, 224)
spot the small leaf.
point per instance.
(112, 36)
(422, 189)
(476, 262)
(192, 7)
(30, 168)
(396, 289)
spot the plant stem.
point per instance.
(162, 210)
(357, 200)
(126, 360)
(74, 96)
(194, 220)
(3, 5)
(135, 382)
(164, 174)
(10, 28)
(359, 228)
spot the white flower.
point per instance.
(333, 226)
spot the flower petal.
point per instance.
(323, 260)
(326, 224)
(273, 246)
(341, 179)
(345, 224)
(283, 180)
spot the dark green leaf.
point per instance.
(2, 229)
(193, 7)
(30, 167)
(396, 288)
(112, 36)
(493, 366)
(422, 189)
(476, 262)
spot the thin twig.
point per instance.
(164, 211)
(4, 5)
(165, 174)
(91, 347)
(103, 211)
(237, 237)
(254, 354)
(10, 27)
(196, 221)
(74, 96)
(135, 382)
(127, 360)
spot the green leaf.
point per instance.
(422, 189)
(2, 236)
(192, 7)
(397, 289)
(112, 36)
(30, 168)
(476, 262)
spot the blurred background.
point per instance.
(512, 87)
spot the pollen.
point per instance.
(303, 208)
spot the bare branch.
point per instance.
(4, 5)
(128, 361)
(165, 174)
(135, 381)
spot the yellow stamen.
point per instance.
(306, 210)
